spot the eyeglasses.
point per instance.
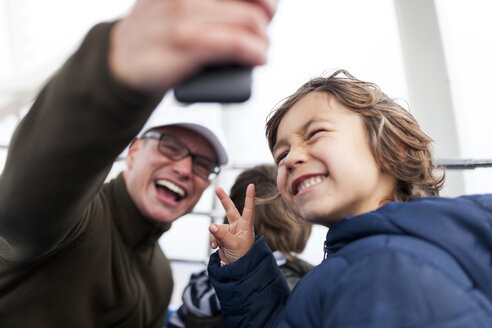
(175, 150)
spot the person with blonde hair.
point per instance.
(396, 255)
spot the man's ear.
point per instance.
(133, 149)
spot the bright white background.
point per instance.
(308, 38)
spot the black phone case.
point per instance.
(222, 84)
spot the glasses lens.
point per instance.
(172, 148)
(203, 166)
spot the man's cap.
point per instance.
(203, 119)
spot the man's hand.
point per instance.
(162, 42)
(236, 238)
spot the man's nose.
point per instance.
(183, 167)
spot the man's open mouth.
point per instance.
(171, 189)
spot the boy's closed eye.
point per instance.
(280, 157)
(310, 136)
(314, 133)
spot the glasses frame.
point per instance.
(160, 136)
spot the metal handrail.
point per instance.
(464, 164)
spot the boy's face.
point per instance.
(151, 176)
(326, 170)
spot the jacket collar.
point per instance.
(460, 226)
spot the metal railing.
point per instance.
(465, 164)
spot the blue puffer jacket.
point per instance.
(425, 263)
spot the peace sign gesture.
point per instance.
(236, 238)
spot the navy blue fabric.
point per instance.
(425, 263)
(247, 290)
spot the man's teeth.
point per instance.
(171, 186)
(309, 182)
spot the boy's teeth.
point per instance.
(309, 182)
(171, 186)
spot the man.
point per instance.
(75, 252)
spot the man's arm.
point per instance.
(63, 149)
(90, 110)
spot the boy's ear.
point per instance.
(133, 149)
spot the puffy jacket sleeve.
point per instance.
(252, 291)
(63, 149)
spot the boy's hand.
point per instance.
(236, 238)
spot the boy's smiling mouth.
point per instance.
(302, 183)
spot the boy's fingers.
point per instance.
(218, 233)
(229, 207)
(249, 205)
(213, 242)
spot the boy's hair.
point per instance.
(397, 143)
(283, 231)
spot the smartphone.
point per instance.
(221, 84)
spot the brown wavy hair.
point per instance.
(397, 143)
(283, 231)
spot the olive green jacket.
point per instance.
(75, 252)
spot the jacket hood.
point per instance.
(460, 226)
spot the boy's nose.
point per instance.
(295, 157)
